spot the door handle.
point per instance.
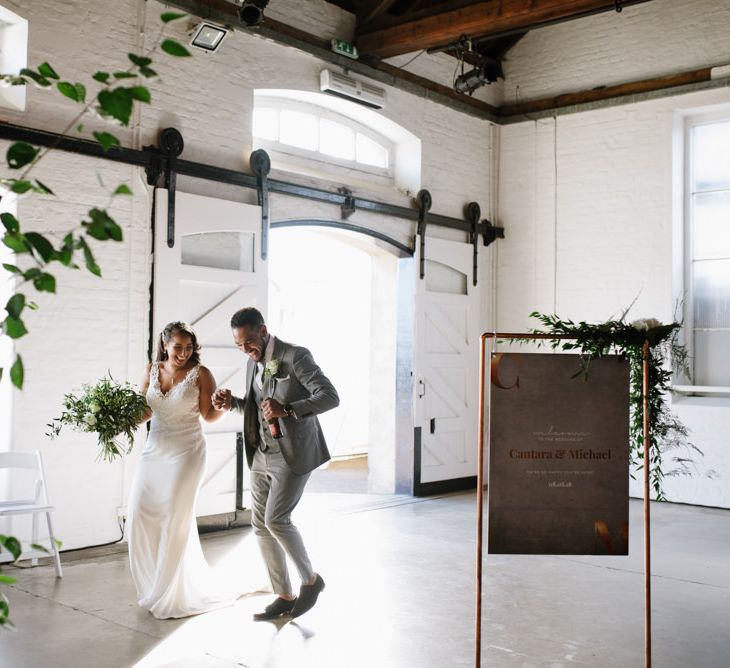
(433, 425)
(423, 385)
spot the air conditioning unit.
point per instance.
(352, 89)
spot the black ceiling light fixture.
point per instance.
(251, 12)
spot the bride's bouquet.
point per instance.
(110, 409)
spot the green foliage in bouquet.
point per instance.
(666, 431)
(110, 409)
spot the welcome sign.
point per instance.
(558, 457)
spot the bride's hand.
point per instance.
(221, 400)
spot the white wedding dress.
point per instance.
(169, 569)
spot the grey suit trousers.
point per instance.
(276, 490)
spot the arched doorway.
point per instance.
(336, 291)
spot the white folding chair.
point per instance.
(32, 462)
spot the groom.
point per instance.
(284, 385)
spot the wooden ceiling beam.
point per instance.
(490, 19)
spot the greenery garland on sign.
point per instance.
(666, 431)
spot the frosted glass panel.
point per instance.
(711, 156)
(711, 293)
(336, 140)
(712, 358)
(299, 129)
(712, 226)
(369, 152)
(266, 124)
(442, 278)
(219, 250)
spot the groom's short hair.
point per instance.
(247, 317)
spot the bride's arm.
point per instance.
(206, 383)
(147, 415)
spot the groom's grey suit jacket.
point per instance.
(300, 383)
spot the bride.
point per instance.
(169, 570)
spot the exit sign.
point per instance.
(344, 48)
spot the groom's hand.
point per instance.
(221, 400)
(272, 409)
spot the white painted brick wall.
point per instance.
(613, 236)
(93, 325)
(643, 41)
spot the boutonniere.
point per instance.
(272, 368)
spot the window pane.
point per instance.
(219, 250)
(711, 293)
(442, 278)
(712, 361)
(711, 156)
(712, 226)
(299, 129)
(266, 124)
(336, 140)
(370, 152)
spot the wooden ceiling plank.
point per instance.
(484, 19)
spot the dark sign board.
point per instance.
(558, 455)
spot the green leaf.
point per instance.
(106, 139)
(139, 61)
(69, 90)
(20, 186)
(101, 77)
(44, 69)
(43, 247)
(43, 188)
(125, 75)
(14, 327)
(174, 48)
(147, 72)
(11, 544)
(10, 221)
(12, 268)
(116, 103)
(35, 77)
(81, 91)
(16, 372)
(89, 258)
(16, 242)
(140, 93)
(80, 127)
(29, 275)
(40, 548)
(123, 189)
(166, 17)
(15, 305)
(45, 283)
(6, 579)
(20, 154)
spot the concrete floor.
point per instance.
(399, 574)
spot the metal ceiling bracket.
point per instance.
(260, 164)
(424, 201)
(347, 208)
(490, 233)
(473, 211)
(171, 145)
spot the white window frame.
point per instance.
(299, 159)
(685, 288)
(13, 56)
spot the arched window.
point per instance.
(322, 136)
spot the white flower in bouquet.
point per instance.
(110, 409)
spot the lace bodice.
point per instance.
(175, 421)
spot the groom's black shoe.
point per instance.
(307, 596)
(279, 608)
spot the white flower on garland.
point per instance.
(645, 324)
(90, 420)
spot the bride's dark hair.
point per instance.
(169, 331)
